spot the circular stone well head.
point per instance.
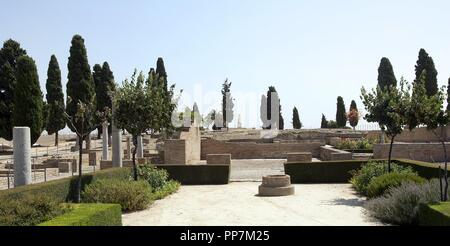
(276, 185)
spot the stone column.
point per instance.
(116, 144)
(129, 147)
(105, 138)
(140, 148)
(22, 156)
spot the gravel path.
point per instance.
(237, 204)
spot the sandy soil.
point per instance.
(237, 204)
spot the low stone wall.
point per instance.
(431, 152)
(299, 156)
(218, 159)
(253, 150)
(423, 135)
(328, 153)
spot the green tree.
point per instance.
(81, 103)
(104, 86)
(324, 122)
(387, 107)
(386, 77)
(9, 54)
(7, 84)
(279, 123)
(296, 123)
(227, 103)
(353, 115)
(425, 62)
(55, 99)
(448, 95)
(341, 116)
(195, 114)
(428, 110)
(28, 103)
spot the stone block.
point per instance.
(299, 157)
(218, 159)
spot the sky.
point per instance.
(311, 51)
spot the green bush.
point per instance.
(380, 184)
(170, 187)
(360, 144)
(63, 190)
(156, 177)
(198, 174)
(400, 205)
(29, 210)
(435, 215)
(131, 195)
(372, 169)
(89, 215)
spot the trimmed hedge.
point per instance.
(322, 172)
(435, 215)
(338, 171)
(198, 174)
(63, 190)
(85, 214)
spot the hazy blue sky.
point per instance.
(311, 51)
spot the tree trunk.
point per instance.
(80, 172)
(135, 175)
(56, 138)
(390, 154)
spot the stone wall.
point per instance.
(328, 153)
(185, 150)
(254, 150)
(430, 152)
(422, 135)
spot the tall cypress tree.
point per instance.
(296, 124)
(341, 117)
(448, 95)
(104, 85)
(324, 122)
(7, 84)
(353, 116)
(425, 62)
(9, 54)
(269, 108)
(28, 103)
(80, 99)
(55, 99)
(386, 75)
(160, 68)
(227, 103)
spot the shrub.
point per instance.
(131, 195)
(157, 178)
(89, 215)
(169, 188)
(400, 205)
(380, 184)
(360, 144)
(362, 177)
(29, 210)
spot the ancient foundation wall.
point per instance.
(254, 150)
(430, 152)
(423, 135)
(328, 153)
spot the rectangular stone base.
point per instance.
(299, 157)
(218, 159)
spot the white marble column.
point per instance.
(140, 148)
(116, 144)
(22, 156)
(105, 138)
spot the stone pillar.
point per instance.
(140, 148)
(116, 145)
(129, 147)
(22, 156)
(105, 138)
(88, 142)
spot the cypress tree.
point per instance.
(386, 77)
(425, 62)
(80, 99)
(448, 95)
(324, 122)
(7, 84)
(281, 121)
(104, 85)
(227, 104)
(296, 119)
(353, 115)
(9, 54)
(341, 117)
(160, 68)
(28, 103)
(269, 108)
(80, 84)
(55, 99)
